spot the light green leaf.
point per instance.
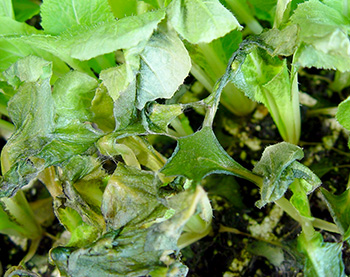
(190, 222)
(12, 50)
(283, 42)
(338, 206)
(130, 198)
(299, 198)
(325, 38)
(321, 258)
(72, 95)
(271, 252)
(121, 86)
(25, 9)
(73, 13)
(121, 8)
(331, 51)
(201, 21)
(67, 141)
(102, 109)
(81, 232)
(279, 167)
(86, 42)
(32, 111)
(194, 161)
(310, 16)
(17, 218)
(165, 64)
(343, 114)
(159, 116)
(6, 9)
(31, 108)
(266, 79)
(116, 253)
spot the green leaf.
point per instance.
(201, 21)
(194, 161)
(321, 258)
(25, 9)
(116, 253)
(73, 13)
(121, 8)
(279, 167)
(338, 206)
(299, 198)
(164, 65)
(131, 198)
(264, 10)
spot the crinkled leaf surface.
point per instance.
(32, 110)
(279, 167)
(321, 258)
(131, 197)
(199, 155)
(201, 21)
(73, 13)
(165, 64)
(116, 253)
(339, 206)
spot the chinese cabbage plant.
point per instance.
(94, 96)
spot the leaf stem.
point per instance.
(245, 16)
(5, 125)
